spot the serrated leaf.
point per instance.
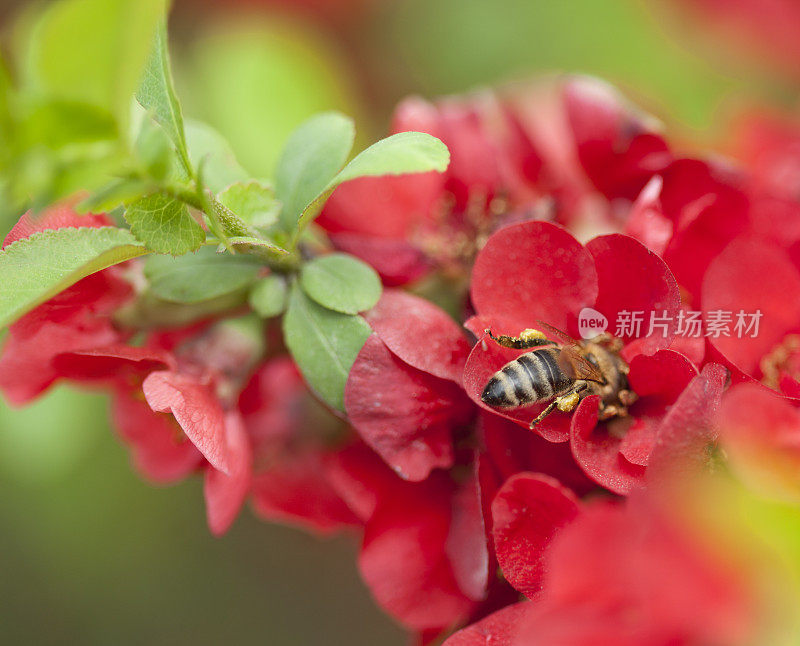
(314, 153)
(253, 202)
(324, 344)
(341, 283)
(35, 269)
(400, 154)
(157, 94)
(207, 146)
(201, 276)
(93, 51)
(268, 296)
(164, 225)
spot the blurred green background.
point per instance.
(93, 555)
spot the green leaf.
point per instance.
(268, 296)
(115, 193)
(34, 269)
(324, 344)
(164, 225)
(157, 94)
(341, 283)
(315, 152)
(202, 276)
(253, 202)
(207, 146)
(153, 150)
(93, 51)
(405, 152)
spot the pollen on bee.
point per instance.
(529, 334)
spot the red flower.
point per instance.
(514, 156)
(76, 319)
(291, 443)
(687, 215)
(757, 282)
(424, 554)
(629, 575)
(536, 271)
(617, 146)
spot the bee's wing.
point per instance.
(571, 357)
(566, 339)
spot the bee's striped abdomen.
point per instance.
(532, 377)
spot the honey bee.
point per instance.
(564, 372)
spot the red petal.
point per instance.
(389, 207)
(159, 449)
(534, 271)
(664, 374)
(225, 494)
(632, 278)
(598, 452)
(420, 333)
(527, 512)
(58, 217)
(111, 362)
(510, 449)
(403, 559)
(407, 416)
(296, 490)
(26, 368)
(396, 261)
(687, 429)
(708, 210)
(617, 152)
(360, 478)
(498, 629)
(487, 358)
(647, 222)
(749, 275)
(466, 546)
(197, 410)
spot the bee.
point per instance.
(563, 371)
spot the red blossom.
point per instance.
(536, 271)
(617, 147)
(752, 276)
(616, 454)
(630, 575)
(515, 155)
(159, 449)
(286, 428)
(423, 541)
(77, 319)
(702, 206)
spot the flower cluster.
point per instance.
(546, 513)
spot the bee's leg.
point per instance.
(528, 338)
(550, 408)
(565, 403)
